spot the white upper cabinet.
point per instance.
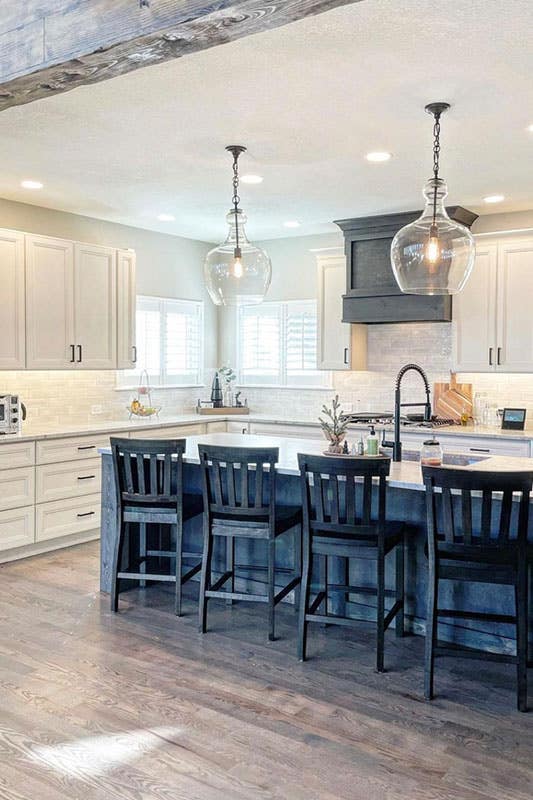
(50, 342)
(514, 352)
(492, 319)
(474, 315)
(95, 306)
(341, 346)
(78, 296)
(12, 316)
(126, 299)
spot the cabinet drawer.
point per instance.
(52, 451)
(292, 431)
(63, 518)
(237, 427)
(17, 527)
(483, 446)
(17, 488)
(19, 454)
(178, 432)
(61, 481)
(217, 427)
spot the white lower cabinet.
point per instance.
(237, 427)
(17, 527)
(17, 487)
(293, 431)
(179, 432)
(469, 445)
(67, 517)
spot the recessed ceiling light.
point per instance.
(530, 128)
(31, 185)
(378, 156)
(291, 223)
(494, 198)
(166, 217)
(252, 178)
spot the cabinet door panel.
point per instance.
(95, 320)
(126, 305)
(340, 346)
(49, 303)
(474, 315)
(12, 317)
(515, 319)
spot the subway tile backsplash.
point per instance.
(53, 397)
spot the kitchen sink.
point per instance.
(449, 459)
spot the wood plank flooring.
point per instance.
(139, 706)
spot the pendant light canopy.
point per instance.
(434, 254)
(237, 272)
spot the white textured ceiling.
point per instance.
(309, 100)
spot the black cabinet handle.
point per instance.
(345, 355)
(479, 449)
(86, 477)
(87, 514)
(134, 354)
(72, 354)
(490, 356)
(79, 353)
(87, 447)
(499, 356)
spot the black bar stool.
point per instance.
(149, 483)
(338, 521)
(466, 543)
(240, 502)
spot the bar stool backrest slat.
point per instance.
(146, 470)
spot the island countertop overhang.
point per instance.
(403, 475)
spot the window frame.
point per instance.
(283, 307)
(126, 381)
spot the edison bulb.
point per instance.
(237, 267)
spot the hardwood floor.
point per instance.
(139, 706)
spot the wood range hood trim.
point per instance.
(372, 294)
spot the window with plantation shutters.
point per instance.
(169, 337)
(277, 345)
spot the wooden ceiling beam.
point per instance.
(55, 46)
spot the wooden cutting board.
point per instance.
(450, 399)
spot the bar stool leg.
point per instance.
(142, 552)
(230, 565)
(521, 638)
(431, 631)
(297, 573)
(400, 588)
(304, 599)
(205, 581)
(271, 588)
(179, 569)
(380, 613)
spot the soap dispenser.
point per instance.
(372, 442)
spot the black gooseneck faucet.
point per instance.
(398, 405)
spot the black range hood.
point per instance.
(372, 294)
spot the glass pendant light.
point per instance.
(237, 271)
(434, 254)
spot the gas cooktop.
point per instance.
(387, 417)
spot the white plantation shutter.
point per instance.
(277, 345)
(259, 340)
(169, 342)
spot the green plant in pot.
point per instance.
(334, 425)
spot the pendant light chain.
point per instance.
(436, 159)
(236, 200)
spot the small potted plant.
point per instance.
(334, 425)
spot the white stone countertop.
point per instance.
(35, 430)
(403, 474)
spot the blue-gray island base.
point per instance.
(405, 502)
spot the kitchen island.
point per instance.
(405, 501)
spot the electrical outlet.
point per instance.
(96, 410)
